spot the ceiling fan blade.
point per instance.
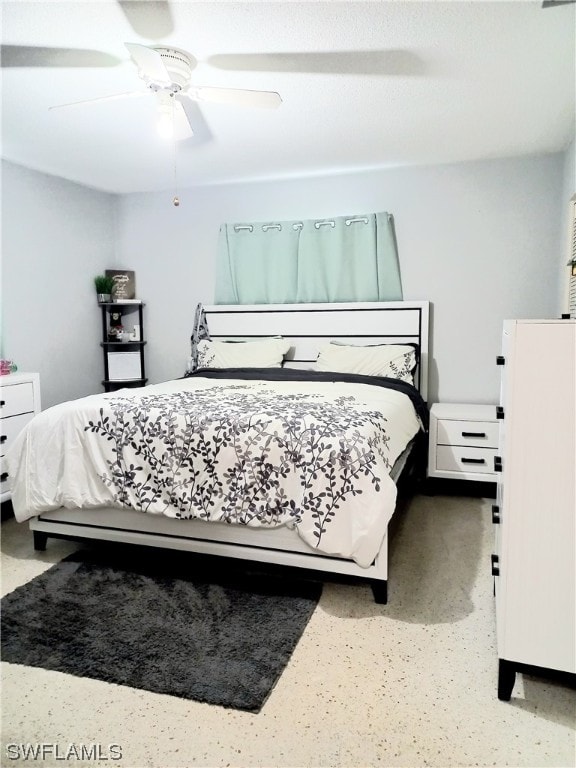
(195, 118)
(151, 19)
(149, 63)
(38, 56)
(383, 62)
(113, 97)
(236, 96)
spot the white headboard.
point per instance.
(310, 326)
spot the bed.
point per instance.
(279, 464)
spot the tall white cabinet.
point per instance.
(534, 561)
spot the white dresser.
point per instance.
(19, 401)
(534, 517)
(463, 439)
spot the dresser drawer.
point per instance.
(9, 428)
(482, 434)
(453, 458)
(16, 398)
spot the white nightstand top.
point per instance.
(17, 378)
(464, 411)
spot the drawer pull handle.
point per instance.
(495, 565)
(2, 402)
(3, 476)
(473, 461)
(473, 434)
(3, 438)
(495, 514)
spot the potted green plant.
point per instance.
(104, 286)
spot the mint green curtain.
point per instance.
(346, 258)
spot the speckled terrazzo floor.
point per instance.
(412, 683)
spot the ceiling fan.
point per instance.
(166, 73)
(149, 19)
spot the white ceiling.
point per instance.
(366, 84)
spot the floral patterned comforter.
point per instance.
(309, 450)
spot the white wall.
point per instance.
(482, 241)
(56, 236)
(568, 191)
(479, 240)
(569, 172)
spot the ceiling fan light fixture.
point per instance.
(165, 123)
(165, 116)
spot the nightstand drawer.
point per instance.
(16, 398)
(19, 402)
(482, 434)
(4, 481)
(453, 458)
(9, 428)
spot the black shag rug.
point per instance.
(166, 622)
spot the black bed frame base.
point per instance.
(380, 591)
(40, 540)
(507, 676)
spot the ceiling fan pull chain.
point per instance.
(176, 200)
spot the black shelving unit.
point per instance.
(123, 359)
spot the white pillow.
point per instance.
(264, 353)
(396, 361)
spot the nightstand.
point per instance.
(19, 402)
(463, 442)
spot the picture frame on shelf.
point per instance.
(124, 284)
